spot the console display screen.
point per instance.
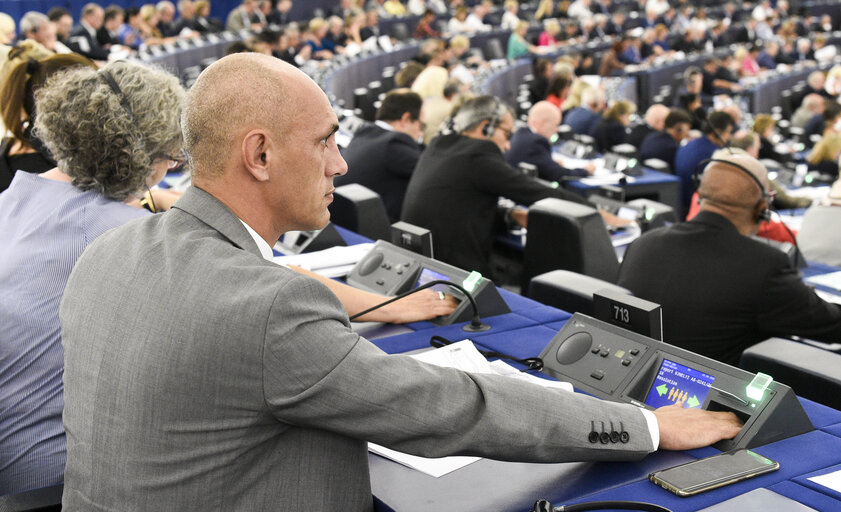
(677, 382)
(430, 275)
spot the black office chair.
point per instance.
(400, 32)
(569, 291)
(812, 372)
(568, 236)
(493, 50)
(361, 210)
(47, 499)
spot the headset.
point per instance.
(764, 215)
(494, 121)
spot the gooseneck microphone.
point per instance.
(475, 324)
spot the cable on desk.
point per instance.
(531, 363)
(543, 505)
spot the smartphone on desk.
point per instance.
(716, 471)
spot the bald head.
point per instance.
(656, 115)
(730, 191)
(232, 96)
(544, 118)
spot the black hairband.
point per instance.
(32, 66)
(109, 79)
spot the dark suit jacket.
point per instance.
(532, 148)
(608, 133)
(638, 134)
(247, 373)
(581, 120)
(659, 145)
(383, 161)
(722, 292)
(454, 193)
(83, 43)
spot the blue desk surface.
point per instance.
(649, 177)
(495, 485)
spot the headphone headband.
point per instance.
(765, 214)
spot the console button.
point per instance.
(597, 374)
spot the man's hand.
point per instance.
(423, 305)
(685, 429)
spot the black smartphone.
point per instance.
(716, 471)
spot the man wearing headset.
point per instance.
(458, 181)
(722, 291)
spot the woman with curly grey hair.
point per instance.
(114, 132)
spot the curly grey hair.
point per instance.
(95, 139)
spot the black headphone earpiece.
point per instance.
(493, 122)
(764, 215)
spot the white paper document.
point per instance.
(463, 356)
(332, 262)
(831, 280)
(830, 480)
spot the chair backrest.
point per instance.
(569, 236)
(360, 209)
(400, 31)
(812, 372)
(493, 50)
(570, 291)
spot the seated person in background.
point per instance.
(459, 178)
(655, 118)
(716, 79)
(824, 156)
(108, 34)
(558, 90)
(819, 237)
(763, 125)
(664, 144)
(23, 151)
(550, 34)
(542, 71)
(720, 290)
(382, 155)
(47, 220)
(611, 65)
(611, 129)
(438, 109)
(583, 118)
(518, 46)
(265, 379)
(424, 27)
(533, 144)
(717, 131)
(322, 47)
(813, 105)
(827, 120)
(83, 37)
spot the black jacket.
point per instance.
(454, 192)
(383, 161)
(532, 148)
(722, 292)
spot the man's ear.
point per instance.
(255, 147)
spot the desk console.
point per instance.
(392, 270)
(616, 364)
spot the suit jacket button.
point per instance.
(593, 437)
(624, 437)
(604, 437)
(614, 437)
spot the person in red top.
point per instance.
(424, 28)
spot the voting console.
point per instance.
(613, 363)
(392, 270)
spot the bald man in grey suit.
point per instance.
(200, 376)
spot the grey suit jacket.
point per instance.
(201, 377)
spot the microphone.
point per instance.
(475, 324)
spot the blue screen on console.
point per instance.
(677, 382)
(430, 275)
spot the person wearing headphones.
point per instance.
(457, 183)
(722, 291)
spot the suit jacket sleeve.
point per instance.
(789, 306)
(552, 170)
(491, 174)
(319, 374)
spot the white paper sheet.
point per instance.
(832, 280)
(830, 480)
(463, 356)
(332, 262)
